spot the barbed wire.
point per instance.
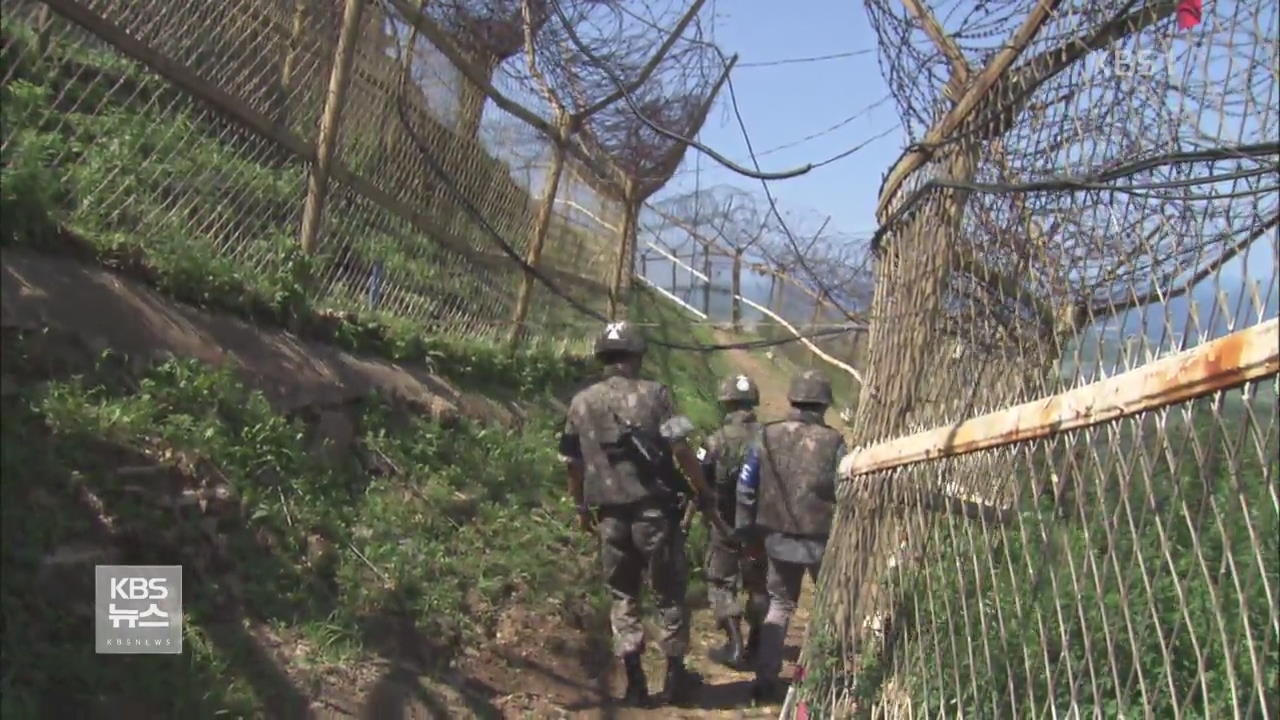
(812, 59)
(773, 206)
(478, 217)
(1100, 180)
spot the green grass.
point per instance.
(437, 527)
(209, 216)
(1179, 521)
(694, 375)
(421, 529)
(430, 527)
(440, 528)
(156, 244)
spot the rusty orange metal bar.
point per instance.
(1229, 361)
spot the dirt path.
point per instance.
(105, 310)
(539, 665)
(771, 378)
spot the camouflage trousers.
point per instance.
(784, 582)
(730, 571)
(635, 540)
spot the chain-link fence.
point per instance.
(190, 133)
(1065, 502)
(368, 171)
(741, 288)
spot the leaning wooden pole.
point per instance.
(293, 52)
(737, 289)
(534, 254)
(815, 318)
(318, 180)
(706, 271)
(624, 262)
(1243, 356)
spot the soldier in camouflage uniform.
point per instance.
(786, 493)
(622, 441)
(731, 566)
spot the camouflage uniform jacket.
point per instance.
(595, 426)
(723, 455)
(787, 484)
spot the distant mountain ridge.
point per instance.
(1163, 326)
(1240, 309)
(1159, 329)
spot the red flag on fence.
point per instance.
(1189, 13)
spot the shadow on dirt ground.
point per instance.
(74, 499)
(49, 588)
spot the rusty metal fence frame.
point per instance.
(1052, 513)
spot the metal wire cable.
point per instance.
(449, 184)
(1099, 180)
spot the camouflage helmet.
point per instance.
(810, 386)
(620, 337)
(739, 388)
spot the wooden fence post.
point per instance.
(813, 320)
(737, 289)
(318, 179)
(292, 54)
(387, 139)
(675, 279)
(541, 224)
(44, 23)
(625, 265)
(706, 270)
(777, 291)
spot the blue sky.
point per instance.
(785, 103)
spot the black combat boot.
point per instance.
(679, 684)
(729, 654)
(768, 691)
(637, 694)
(752, 647)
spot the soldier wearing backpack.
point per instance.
(787, 493)
(730, 566)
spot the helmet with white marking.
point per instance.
(620, 337)
(739, 388)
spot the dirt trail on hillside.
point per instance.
(771, 378)
(105, 310)
(543, 663)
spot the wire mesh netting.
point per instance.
(217, 139)
(727, 256)
(1092, 188)
(1110, 200)
(199, 153)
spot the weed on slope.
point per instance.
(424, 531)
